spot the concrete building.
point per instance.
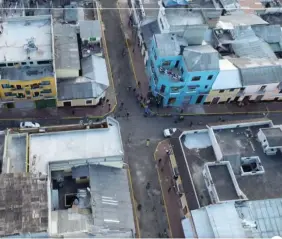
(88, 89)
(74, 182)
(227, 180)
(252, 46)
(82, 76)
(26, 64)
(67, 59)
(181, 74)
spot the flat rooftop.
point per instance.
(23, 204)
(234, 143)
(273, 136)
(15, 159)
(14, 48)
(26, 73)
(74, 145)
(223, 182)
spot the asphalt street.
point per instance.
(136, 129)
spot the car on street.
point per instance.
(28, 124)
(169, 132)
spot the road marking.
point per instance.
(128, 48)
(159, 176)
(134, 204)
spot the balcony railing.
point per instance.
(173, 74)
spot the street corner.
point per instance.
(168, 181)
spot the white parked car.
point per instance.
(28, 124)
(169, 132)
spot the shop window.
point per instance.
(196, 78)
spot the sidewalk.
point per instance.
(172, 201)
(55, 113)
(134, 55)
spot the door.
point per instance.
(199, 99)
(215, 100)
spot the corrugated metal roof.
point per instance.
(201, 58)
(230, 4)
(66, 47)
(148, 30)
(269, 33)
(89, 29)
(195, 35)
(202, 223)
(258, 71)
(167, 44)
(111, 202)
(91, 85)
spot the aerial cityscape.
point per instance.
(141, 119)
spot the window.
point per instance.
(185, 210)
(231, 90)
(8, 93)
(176, 89)
(43, 62)
(36, 94)
(46, 91)
(10, 64)
(280, 91)
(35, 86)
(242, 89)
(182, 71)
(5, 86)
(221, 91)
(31, 63)
(166, 63)
(23, 63)
(19, 87)
(88, 102)
(2, 65)
(20, 95)
(262, 88)
(171, 100)
(210, 77)
(27, 92)
(206, 87)
(192, 87)
(162, 89)
(196, 78)
(45, 82)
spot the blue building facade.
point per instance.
(172, 3)
(179, 74)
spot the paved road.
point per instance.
(137, 129)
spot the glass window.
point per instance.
(166, 63)
(47, 91)
(196, 78)
(221, 91)
(8, 93)
(36, 94)
(210, 77)
(5, 86)
(88, 102)
(46, 82)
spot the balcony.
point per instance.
(173, 74)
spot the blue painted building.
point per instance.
(180, 74)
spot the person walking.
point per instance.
(147, 142)
(127, 115)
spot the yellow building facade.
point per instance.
(221, 96)
(36, 89)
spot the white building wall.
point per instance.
(162, 21)
(270, 92)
